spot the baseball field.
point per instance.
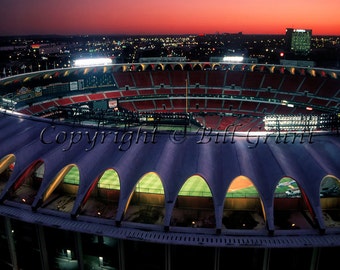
(194, 186)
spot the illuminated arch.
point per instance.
(285, 187)
(168, 67)
(216, 66)
(27, 173)
(6, 161)
(241, 187)
(140, 67)
(290, 197)
(330, 186)
(143, 186)
(198, 189)
(245, 67)
(195, 185)
(291, 70)
(271, 69)
(206, 66)
(109, 179)
(197, 67)
(159, 67)
(121, 68)
(252, 67)
(330, 198)
(333, 75)
(58, 179)
(187, 67)
(149, 67)
(178, 66)
(148, 183)
(259, 68)
(224, 66)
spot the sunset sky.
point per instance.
(21, 17)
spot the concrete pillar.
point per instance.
(79, 250)
(121, 254)
(42, 247)
(11, 244)
(266, 259)
(167, 248)
(217, 258)
(314, 264)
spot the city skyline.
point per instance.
(164, 17)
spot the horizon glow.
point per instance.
(144, 17)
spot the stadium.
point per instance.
(174, 165)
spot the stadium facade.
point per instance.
(275, 127)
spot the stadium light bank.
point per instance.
(86, 62)
(234, 59)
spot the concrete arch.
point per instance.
(18, 177)
(104, 177)
(216, 66)
(178, 66)
(182, 202)
(57, 180)
(168, 67)
(195, 179)
(187, 67)
(27, 173)
(98, 182)
(330, 186)
(6, 161)
(85, 192)
(240, 186)
(286, 184)
(27, 180)
(149, 67)
(302, 195)
(121, 68)
(291, 70)
(150, 176)
(140, 67)
(7, 165)
(170, 204)
(312, 72)
(197, 67)
(333, 75)
(206, 66)
(329, 200)
(234, 186)
(159, 67)
(242, 195)
(252, 67)
(136, 190)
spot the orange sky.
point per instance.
(167, 16)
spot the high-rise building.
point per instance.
(298, 40)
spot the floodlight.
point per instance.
(233, 59)
(85, 62)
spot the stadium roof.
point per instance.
(265, 159)
(65, 72)
(219, 158)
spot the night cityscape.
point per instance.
(35, 53)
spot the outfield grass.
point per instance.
(194, 186)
